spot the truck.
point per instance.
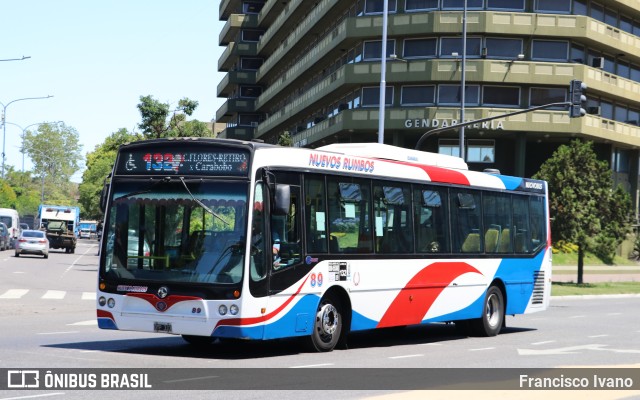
(88, 229)
(11, 218)
(61, 224)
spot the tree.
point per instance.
(157, 122)
(56, 154)
(285, 139)
(99, 165)
(585, 208)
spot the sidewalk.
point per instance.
(597, 273)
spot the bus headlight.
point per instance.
(222, 310)
(233, 310)
(111, 303)
(102, 301)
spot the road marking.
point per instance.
(572, 350)
(407, 356)
(74, 262)
(545, 342)
(192, 379)
(35, 396)
(19, 272)
(597, 336)
(312, 366)
(54, 295)
(14, 293)
(482, 349)
(88, 295)
(615, 313)
(85, 323)
(431, 344)
(56, 333)
(578, 316)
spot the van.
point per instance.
(11, 219)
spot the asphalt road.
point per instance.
(47, 320)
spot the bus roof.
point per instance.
(388, 152)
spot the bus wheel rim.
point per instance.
(329, 319)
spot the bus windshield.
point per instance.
(176, 231)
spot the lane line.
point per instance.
(312, 365)
(88, 295)
(14, 293)
(407, 356)
(35, 396)
(85, 323)
(597, 336)
(483, 349)
(545, 342)
(54, 295)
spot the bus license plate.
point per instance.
(162, 327)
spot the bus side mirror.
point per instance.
(282, 199)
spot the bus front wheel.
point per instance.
(328, 324)
(492, 319)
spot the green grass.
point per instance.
(589, 259)
(570, 289)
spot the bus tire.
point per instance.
(328, 324)
(198, 341)
(492, 319)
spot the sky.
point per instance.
(97, 58)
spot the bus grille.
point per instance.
(538, 288)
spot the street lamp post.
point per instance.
(383, 72)
(4, 125)
(463, 77)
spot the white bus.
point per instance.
(210, 238)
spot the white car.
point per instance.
(32, 242)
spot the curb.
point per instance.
(595, 296)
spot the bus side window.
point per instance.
(315, 214)
(285, 230)
(432, 223)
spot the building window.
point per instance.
(377, 6)
(503, 48)
(553, 6)
(449, 147)
(481, 151)
(418, 95)
(371, 96)
(634, 117)
(621, 161)
(610, 17)
(580, 7)
(250, 64)
(501, 96)
(417, 48)
(459, 4)
(542, 96)
(451, 45)
(578, 54)
(373, 49)
(450, 95)
(249, 120)
(249, 35)
(251, 7)
(250, 91)
(606, 109)
(505, 5)
(419, 5)
(597, 12)
(550, 50)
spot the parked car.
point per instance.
(5, 238)
(32, 242)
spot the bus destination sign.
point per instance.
(227, 162)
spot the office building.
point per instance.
(312, 69)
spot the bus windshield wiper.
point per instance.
(201, 204)
(145, 190)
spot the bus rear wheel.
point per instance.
(328, 324)
(492, 319)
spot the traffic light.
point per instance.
(577, 98)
